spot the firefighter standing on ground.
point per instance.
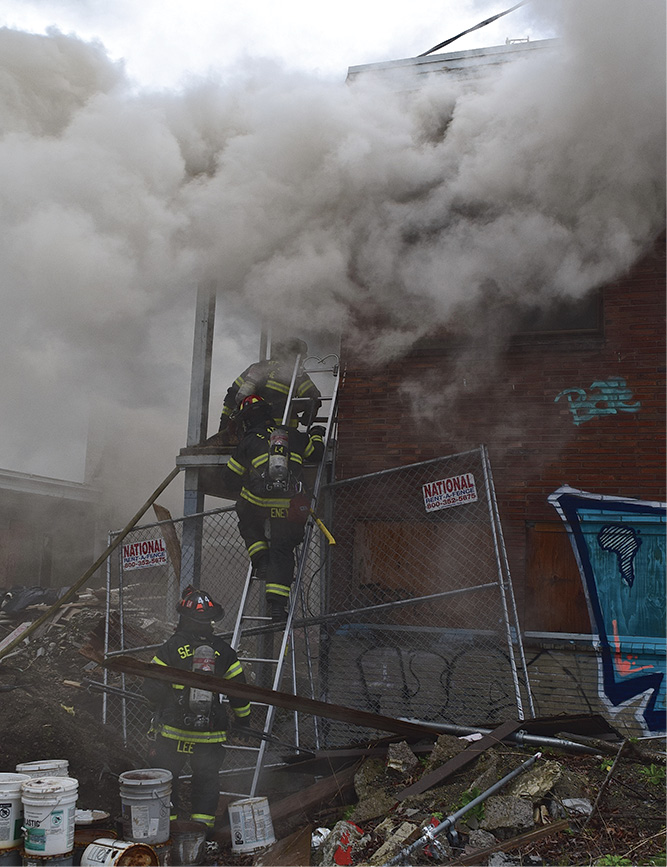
(267, 469)
(271, 380)
(192, 723)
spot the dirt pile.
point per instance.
(44, 715)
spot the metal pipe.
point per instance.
(430, 834)
(519, 737)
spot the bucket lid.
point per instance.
(9, 778)
(49, 785)
(43, 764)
(145, 777)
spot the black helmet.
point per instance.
(290, 348)
(198, 607)
(254, 410)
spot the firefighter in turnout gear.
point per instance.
(272, 509)
(191, 724)
(271, 379)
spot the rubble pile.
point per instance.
(46, 710)
(363, 805)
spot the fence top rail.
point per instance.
(178, 520)
(341, 482)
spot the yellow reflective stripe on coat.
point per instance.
(277, 386)
(277, 589)
(264, 502)
(157, 661)
(236, 467)
(242, 711)
(259, 460)
(233, 670)
(174, 734)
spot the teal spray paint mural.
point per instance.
(620, 547)
(604, 397)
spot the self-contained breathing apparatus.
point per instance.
(200, 701)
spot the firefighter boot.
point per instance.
(277, 610)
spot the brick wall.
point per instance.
(449, 396)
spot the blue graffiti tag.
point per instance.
(620, 548)
(611, 398)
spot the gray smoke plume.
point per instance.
(313, 206)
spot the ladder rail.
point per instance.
(296, 595)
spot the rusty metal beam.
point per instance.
(250, 692)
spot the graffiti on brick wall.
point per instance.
(604, 397)
(619, 544)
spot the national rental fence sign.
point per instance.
(446, 493)
(138, 555)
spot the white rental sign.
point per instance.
(138, 555)
(449, 492)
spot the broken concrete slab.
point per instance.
(504, 815)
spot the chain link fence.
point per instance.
(421, 616)
(409, 614)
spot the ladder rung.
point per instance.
(258, 659)
(255, 617)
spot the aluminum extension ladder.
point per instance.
(270, 667)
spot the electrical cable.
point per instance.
(476, 27)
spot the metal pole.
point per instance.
(431, 833)
(200, 391)
(522, 655)
(501, 586)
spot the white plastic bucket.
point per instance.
(145, 804)
(49, 807)
(106, 852)
(250, 824)
(11, 810)
(45, 768)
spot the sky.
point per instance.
(148, 147)
(163, 43)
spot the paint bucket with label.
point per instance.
(250, 824)
(106, 852)
(44, 768)
(145, 804)
(83, 837)
(11, 810)
(49, 807)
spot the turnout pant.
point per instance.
(272, 552)
(205, 763)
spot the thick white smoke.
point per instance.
(309, 203)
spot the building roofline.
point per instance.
(454, 60)
(27, 483)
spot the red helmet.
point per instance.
(197, 605)
(254, 410)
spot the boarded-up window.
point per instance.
(554, 596)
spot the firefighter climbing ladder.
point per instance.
(270, 666)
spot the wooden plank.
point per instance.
(170, 537)
(460, 760)
(292, 851)
(250, 692)
(515, 843)
(18, 631)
